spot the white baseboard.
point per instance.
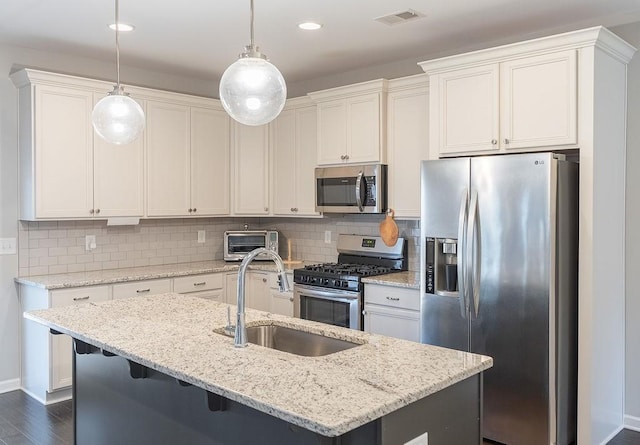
(9, 385)
(612, 435)
(632, 423)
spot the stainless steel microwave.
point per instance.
(238, 243)
(356, 188)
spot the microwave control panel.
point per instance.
(272, 242)
(370, 195)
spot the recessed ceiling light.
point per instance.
(122, 27)
(309, 26)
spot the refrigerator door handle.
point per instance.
(473, 253)
(462, 272)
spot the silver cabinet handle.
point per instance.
(266, 209)
(91, 211)
(346, 157)
(201, 283)
(342, 157)
(264, 280)
(97, 211)
(393, 298)
(81, 298)
(195, 210)
(494, 142)
(141, 291)
(290, 298)
(190, 210)
(506, 141)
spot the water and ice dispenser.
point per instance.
(442, 266)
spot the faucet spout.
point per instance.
(240, 338)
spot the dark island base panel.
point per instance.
(121, 402)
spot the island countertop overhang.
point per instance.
(175, 334)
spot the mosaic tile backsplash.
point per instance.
(54, 247)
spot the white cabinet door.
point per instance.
(63, 155)
(466, 118)
(209, 162)
(60, 366)
(284, 163)
(363, 128)
(281, 303)
(168, 159)
(294, 162)
(257, 291)
(398, 323)
(407, 145)
(231, 288)
(118, 176)
(251, 169)
(332, 132)
(538, 101)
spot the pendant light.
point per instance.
(117, 118)
(252, 90)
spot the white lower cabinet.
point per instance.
(209, 286)
(231, 288)
(392, 311)
(46, 358)
(257, 291)
(281, 302)
(141, 288)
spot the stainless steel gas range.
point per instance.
(333, 292)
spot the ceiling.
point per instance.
(200, 38)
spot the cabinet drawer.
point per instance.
(214, 295)
(196, 283)
(141, 288)
(398, 297)
(79, 295)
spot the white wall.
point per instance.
(631, 33)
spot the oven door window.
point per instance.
(245, 243)
(326, 311)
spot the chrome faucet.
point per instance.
(240, 339)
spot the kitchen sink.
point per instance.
(295, 341)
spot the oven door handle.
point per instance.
(338, 295)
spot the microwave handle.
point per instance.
(359, 191)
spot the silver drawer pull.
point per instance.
(393, 298)
(141, 291)
(81, 298)
(202, 283)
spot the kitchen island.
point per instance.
(157, 369)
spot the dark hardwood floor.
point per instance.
(24, 421)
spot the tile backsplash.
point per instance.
(53, 247)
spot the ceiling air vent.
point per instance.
(399, 17)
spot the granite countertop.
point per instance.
(78, 279)
(407, 279)
(330, 395)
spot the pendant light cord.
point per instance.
(252, 22)
(118, 45)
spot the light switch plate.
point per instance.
(7, 246)
(89, 242)
(201, 236)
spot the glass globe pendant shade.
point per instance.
(253, 91)
(117, 118)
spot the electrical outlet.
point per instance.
(201, 236)
(7, 246)
(89, 242)
(327, 236)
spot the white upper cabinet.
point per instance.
(517, 102)
(209, 161)
(250, 169)
(407, 142)
(168, 159)
(187, 160)
(294, 159)
(118, 176)
(352, 123)
(66, 170)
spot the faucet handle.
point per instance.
(283, 283)
(229, 328)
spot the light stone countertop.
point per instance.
(409, 279)
(330, 395)
(109, 276)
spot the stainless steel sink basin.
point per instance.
(295, 341)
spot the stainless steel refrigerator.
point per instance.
(499, 277)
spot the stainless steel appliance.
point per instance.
(499, 277)
(238, 243)
(351, 188)
(333, 292)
